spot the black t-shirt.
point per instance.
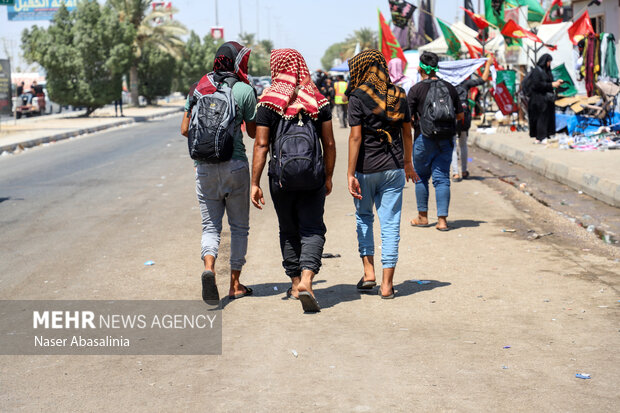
(269, 118)
(375, 155)
(463, 88)
(417, 96)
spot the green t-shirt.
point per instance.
(245, 100)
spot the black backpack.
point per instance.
(212, 126)
(296, 156)
(526, 83)
(438, 119)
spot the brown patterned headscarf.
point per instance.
(370, 82)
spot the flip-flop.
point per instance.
(386, 297)
(456, 178)
(446, 229)
(248, 291)
(308, 302)
(289, 294)
(365, 285)
(210, 295)
(465, 174)
(419, 225)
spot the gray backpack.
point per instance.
(438, 118)
(212, 125)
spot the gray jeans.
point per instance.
(224, 187)
(459, 154)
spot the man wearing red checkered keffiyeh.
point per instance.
(292, 89)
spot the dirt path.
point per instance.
(436, 347)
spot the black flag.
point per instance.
(468, 5)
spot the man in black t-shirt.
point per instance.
(431, 156)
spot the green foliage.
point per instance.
(197, 61)
(365, 37)
(258, 65)
(155, 71)
(84, 54)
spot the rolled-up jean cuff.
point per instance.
(388, 264)
(367, 252)
(315, 270)
(209, 251)
(292, 274)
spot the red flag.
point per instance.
(581, 26)
(472, 53)
(389, 45)
(512, 29)
(504, 100)
(479, 21)
(554, 13)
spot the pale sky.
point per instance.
(308, 26)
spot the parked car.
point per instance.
(255, 82)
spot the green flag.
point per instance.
(493, 16)
(567, 88)
(535, 11)
(509, 77)
(454, 45)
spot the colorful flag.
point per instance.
(473, 53)
(535, 11)
(478, 21)
(389, 45)
(468, 6)
(554, 13)
(504, 99)
(494, 12)
(567, 89)
(454, 45)
(402, 12)
(512, 29)
(427, 32)
(581, 26)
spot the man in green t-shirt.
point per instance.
(225, 186)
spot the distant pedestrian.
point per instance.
(435, 107)
(328, 91)
(541, 104)
(379, 162)
(397, 75)
(294, 120)
(460, 153)
(341, 100)
(222, 170)
(20, 89)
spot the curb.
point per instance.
(598, 187)
(66, 135)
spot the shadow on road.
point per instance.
(465, 223)
(342, 293)
(264, 290)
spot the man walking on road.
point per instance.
(224, 186)
(435, 107)
(341, 100)
(295, 120)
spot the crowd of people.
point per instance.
(399, 132)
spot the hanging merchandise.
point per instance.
(591, 65)
(609, 64)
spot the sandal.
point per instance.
(456, 178)
(465, 174)
(248, 291)
(365, 285)
(414, 223)
(387, 297)
(289, 294)
(308, 302)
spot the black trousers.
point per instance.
(302, 230)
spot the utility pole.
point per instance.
(269, 22)
(257, 21)
(217, 20)
(240, 22)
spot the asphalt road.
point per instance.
(79, 218)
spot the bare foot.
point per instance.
(294, 286)
(419, 221)
(237, 289)
(305, 284)
(442, 223)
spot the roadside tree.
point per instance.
(84, 53)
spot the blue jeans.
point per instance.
(224, 187)
(431, 158)
(385, 190)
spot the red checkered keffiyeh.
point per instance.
(292, 89)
